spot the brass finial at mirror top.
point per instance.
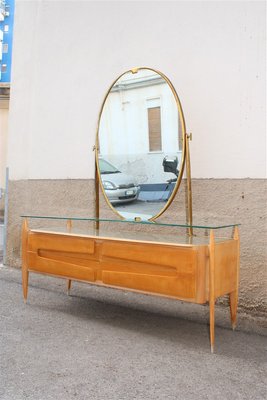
(134, 70)
(140, 144)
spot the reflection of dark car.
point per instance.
(118, 186)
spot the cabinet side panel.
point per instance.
(225, 267)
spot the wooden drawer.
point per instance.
(183, 287)
(47, 241)
(163, 269)
(61, 268)
(177, 271)
(174, 257)
(63, 255)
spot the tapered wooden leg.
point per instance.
(68, 286)
(24, 270)
(69, 227)
(212, 290)
(233, 297)
(212, 324)
(25, 279)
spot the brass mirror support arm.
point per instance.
(96, 194)
(189, 188)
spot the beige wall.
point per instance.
(71, 51)
(3, 144)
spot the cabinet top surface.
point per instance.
(139, 237)
(147, 232)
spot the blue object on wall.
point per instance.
(6, 35)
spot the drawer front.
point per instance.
(182, 287)
(167, 270)
(63, 255)
(175, 257)
(176, 271)
(60, 268)
(49, 241)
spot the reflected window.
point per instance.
(154, 128)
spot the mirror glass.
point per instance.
(140, 144)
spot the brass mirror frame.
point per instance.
(185, 155)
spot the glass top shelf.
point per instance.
(125, 221)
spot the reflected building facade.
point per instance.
(140, 126)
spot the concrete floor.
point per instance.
(101, 343)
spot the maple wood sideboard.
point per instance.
(141, 154)
(196, 269)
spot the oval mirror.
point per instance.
(140, 146)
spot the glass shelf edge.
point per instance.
(152, 223)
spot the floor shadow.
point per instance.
(158, 325)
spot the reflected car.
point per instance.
(119, 187)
